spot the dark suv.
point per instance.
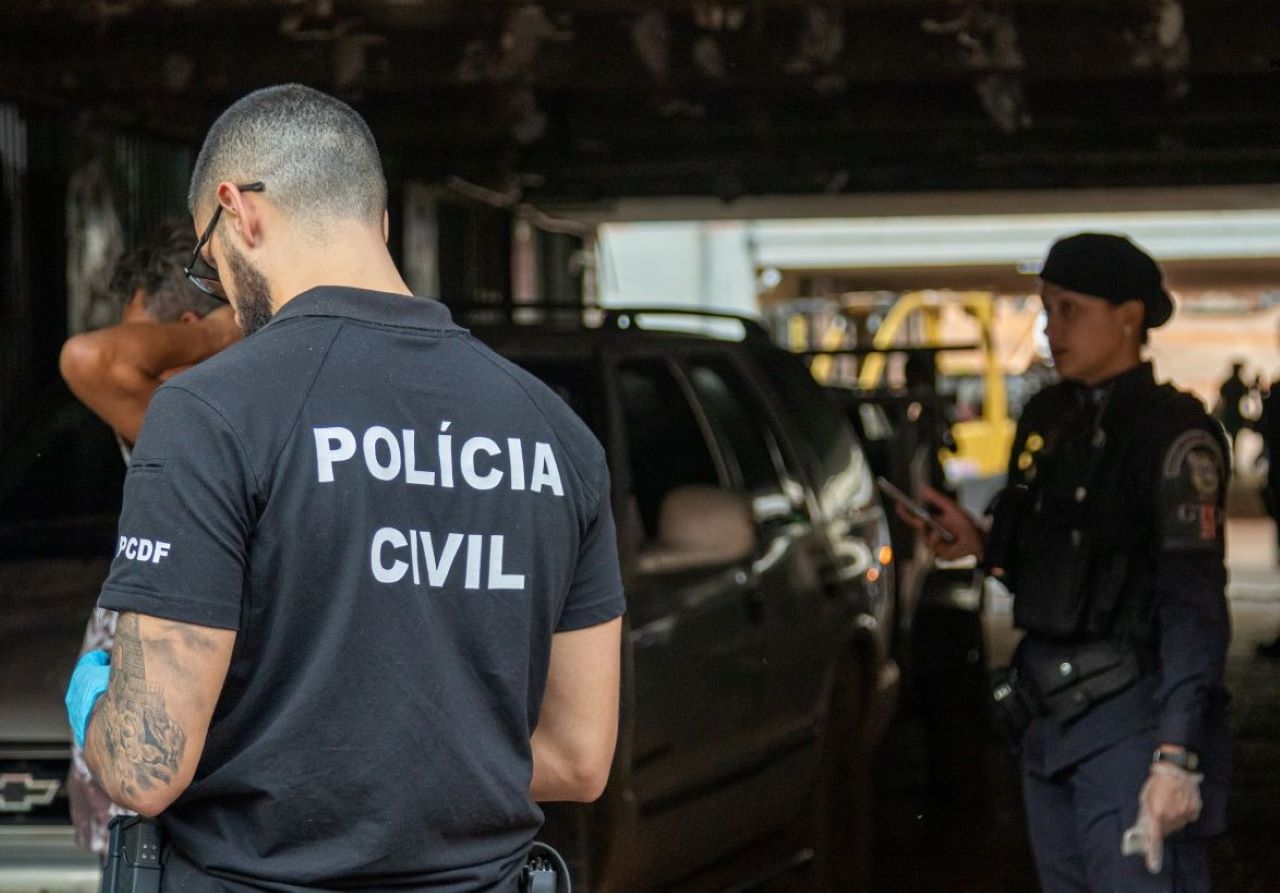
(756, 558)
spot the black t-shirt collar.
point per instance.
(384, 308)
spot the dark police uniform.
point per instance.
(395, 521)
(1111, 538)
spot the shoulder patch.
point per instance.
(1193, 492)
(1198, 450)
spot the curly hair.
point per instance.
(155, 267)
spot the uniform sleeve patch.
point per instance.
(1192, 492)
(1207, 460)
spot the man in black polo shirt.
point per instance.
(366, 568)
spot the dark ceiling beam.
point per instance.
(437, 10)
(1056, 41)
(896, 109)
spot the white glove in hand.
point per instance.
(1170, 800)
(1142, 840)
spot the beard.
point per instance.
(253, 294)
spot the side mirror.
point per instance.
(699, 527)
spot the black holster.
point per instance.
(134, 862)
(544, 871)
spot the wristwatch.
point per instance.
(1187, 760)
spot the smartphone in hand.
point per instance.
(888, 489)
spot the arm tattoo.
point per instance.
(141, 743)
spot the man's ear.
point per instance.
(189, 316)
(386, 226)
(242, 212)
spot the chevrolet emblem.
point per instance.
(23, 792)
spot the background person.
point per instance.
(367, 570)
(1231, 395)
(1110, 536)
(167, 325)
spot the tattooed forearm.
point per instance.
(148, 732)
(135, 745)
(127, 654)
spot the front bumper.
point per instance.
(45, 858)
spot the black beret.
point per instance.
(1112, 268)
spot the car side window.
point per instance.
(837, 466)
(666, 445)
(743, 422)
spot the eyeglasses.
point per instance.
(204, 275)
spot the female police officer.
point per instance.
(1110, 536)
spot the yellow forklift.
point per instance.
(972, 374)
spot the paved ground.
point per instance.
(968, 837)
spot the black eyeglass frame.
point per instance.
(200, 272)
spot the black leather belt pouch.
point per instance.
(1082, 675)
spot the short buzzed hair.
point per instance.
(315, 154)
(156, 268)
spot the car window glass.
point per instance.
(831, 453)
(736, 411)
(666, 447)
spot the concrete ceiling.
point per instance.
(588, 100)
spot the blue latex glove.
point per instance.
(88, 682)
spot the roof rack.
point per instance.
(914, 350)
(613, 317)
